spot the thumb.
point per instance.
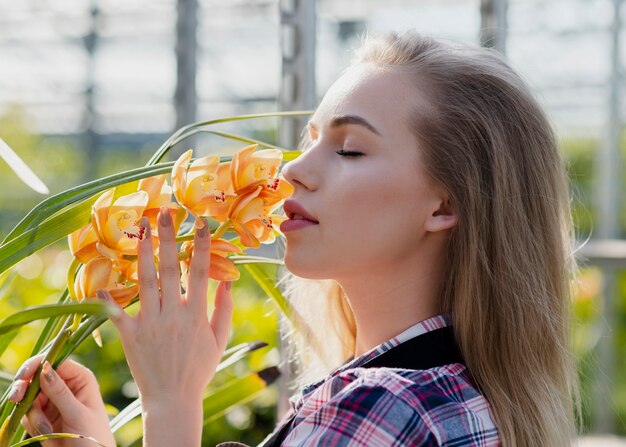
(60, 395)
(121, 321)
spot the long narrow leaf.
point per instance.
(229, 136)
(238, 259)
(55, 436)
(268, 286)
(237, 392)
(52, 327)
(19, 319)
(21, 169)
(167, 145)
(10, 326)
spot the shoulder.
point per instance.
(438, 406)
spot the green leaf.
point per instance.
(55, 436)
(53, 326)
(236, 392)
(245, 259)
(184, 132)
(267, 284)
(21, 169)
(19, 319)
(291, 155)
(229, 136)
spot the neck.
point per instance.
(392, 300)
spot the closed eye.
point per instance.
(349, 153)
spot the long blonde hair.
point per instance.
(486, 140)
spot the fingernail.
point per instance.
(44, 428)
(203, 231)
(14, 389)
(164, 217)
(49, 373)
(229, 284)
(20, 372)
(100, 293)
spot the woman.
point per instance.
(431, 196)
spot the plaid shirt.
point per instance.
(371, 407)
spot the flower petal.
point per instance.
(124, 295)
(223, 269)
(153, 186)
(179, 175)
(98, 274)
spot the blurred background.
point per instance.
(91, 88)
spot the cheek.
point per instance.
(380, 221)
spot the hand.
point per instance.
(69, 402)
(171, 347)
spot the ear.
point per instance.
(444, 218)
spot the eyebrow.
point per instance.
(344, 120)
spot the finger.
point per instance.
(17, 391)
(60, 395)
(199, 270)
(222, 314)
(121, 320)
(28, 427)
(38, 420)
(146, 270)
(28, 368)
(169, 272)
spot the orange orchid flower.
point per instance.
(222, 268)
(117, 223)
(251, 214)
(100, 273)
(82, 243)
(203, 187)
(160, 194)
(250, 166)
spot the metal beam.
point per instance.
(297, 87)
(608, 182)
(493, 24)
(185, 97)
(90, 137)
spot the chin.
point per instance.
(305, 268)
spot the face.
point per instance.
(362, 179)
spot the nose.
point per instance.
(298, 172)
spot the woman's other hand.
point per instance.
(69, 402)
(171, 346)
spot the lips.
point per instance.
(295, 211)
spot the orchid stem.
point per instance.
(71, 281)
(71, 276)
(221, 230)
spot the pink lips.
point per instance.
(291, 207)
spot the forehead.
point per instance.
(381, 96)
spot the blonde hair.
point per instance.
(485, 139)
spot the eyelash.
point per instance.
(349, 153)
